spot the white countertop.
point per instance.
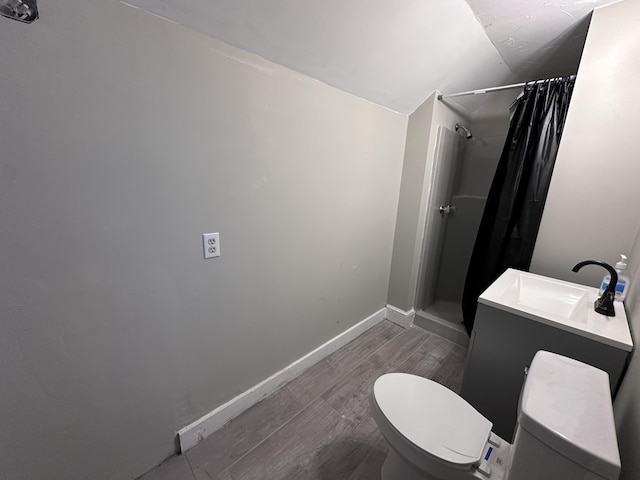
(578, 317)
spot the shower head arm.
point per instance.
(467, 131)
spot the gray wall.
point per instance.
(413, 215)
(627, 403)
(593, 206)
(125, 137)
(404, 265)
(489, 125)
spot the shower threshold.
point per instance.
(444, 319)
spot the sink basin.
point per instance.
(549, 295)
(561, 304)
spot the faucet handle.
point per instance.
(604, 304)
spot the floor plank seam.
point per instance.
(296, 397)
(265, 439)
(304, 405)
(343, 416)
(426, 339)
(351, 447)
(337, 380)
(373, 352)
(193, 474)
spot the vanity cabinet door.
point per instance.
(494, 373)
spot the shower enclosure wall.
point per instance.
(463, 169)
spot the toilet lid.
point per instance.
(566, 404)
(432, 417)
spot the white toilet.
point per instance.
(565, 428)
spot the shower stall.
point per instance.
(462, 171)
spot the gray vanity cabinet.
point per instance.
(502, 346)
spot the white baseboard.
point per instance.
(190, 435)
(400, 317)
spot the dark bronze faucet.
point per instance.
(604, 304)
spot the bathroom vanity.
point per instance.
(521, 313)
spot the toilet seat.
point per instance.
(432, 418)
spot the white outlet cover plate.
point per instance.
(211, 245)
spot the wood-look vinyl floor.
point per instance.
(318, 426)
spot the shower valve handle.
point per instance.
(446, 209)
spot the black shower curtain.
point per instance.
(513, 211)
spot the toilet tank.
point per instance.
(565, 426)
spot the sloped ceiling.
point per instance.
(396, 54)
(532, 37)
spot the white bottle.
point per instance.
(623, 280)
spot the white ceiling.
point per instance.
(397, 53)
(529, 34)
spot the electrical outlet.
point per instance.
(211, 244)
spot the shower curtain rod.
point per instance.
(494, 89)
